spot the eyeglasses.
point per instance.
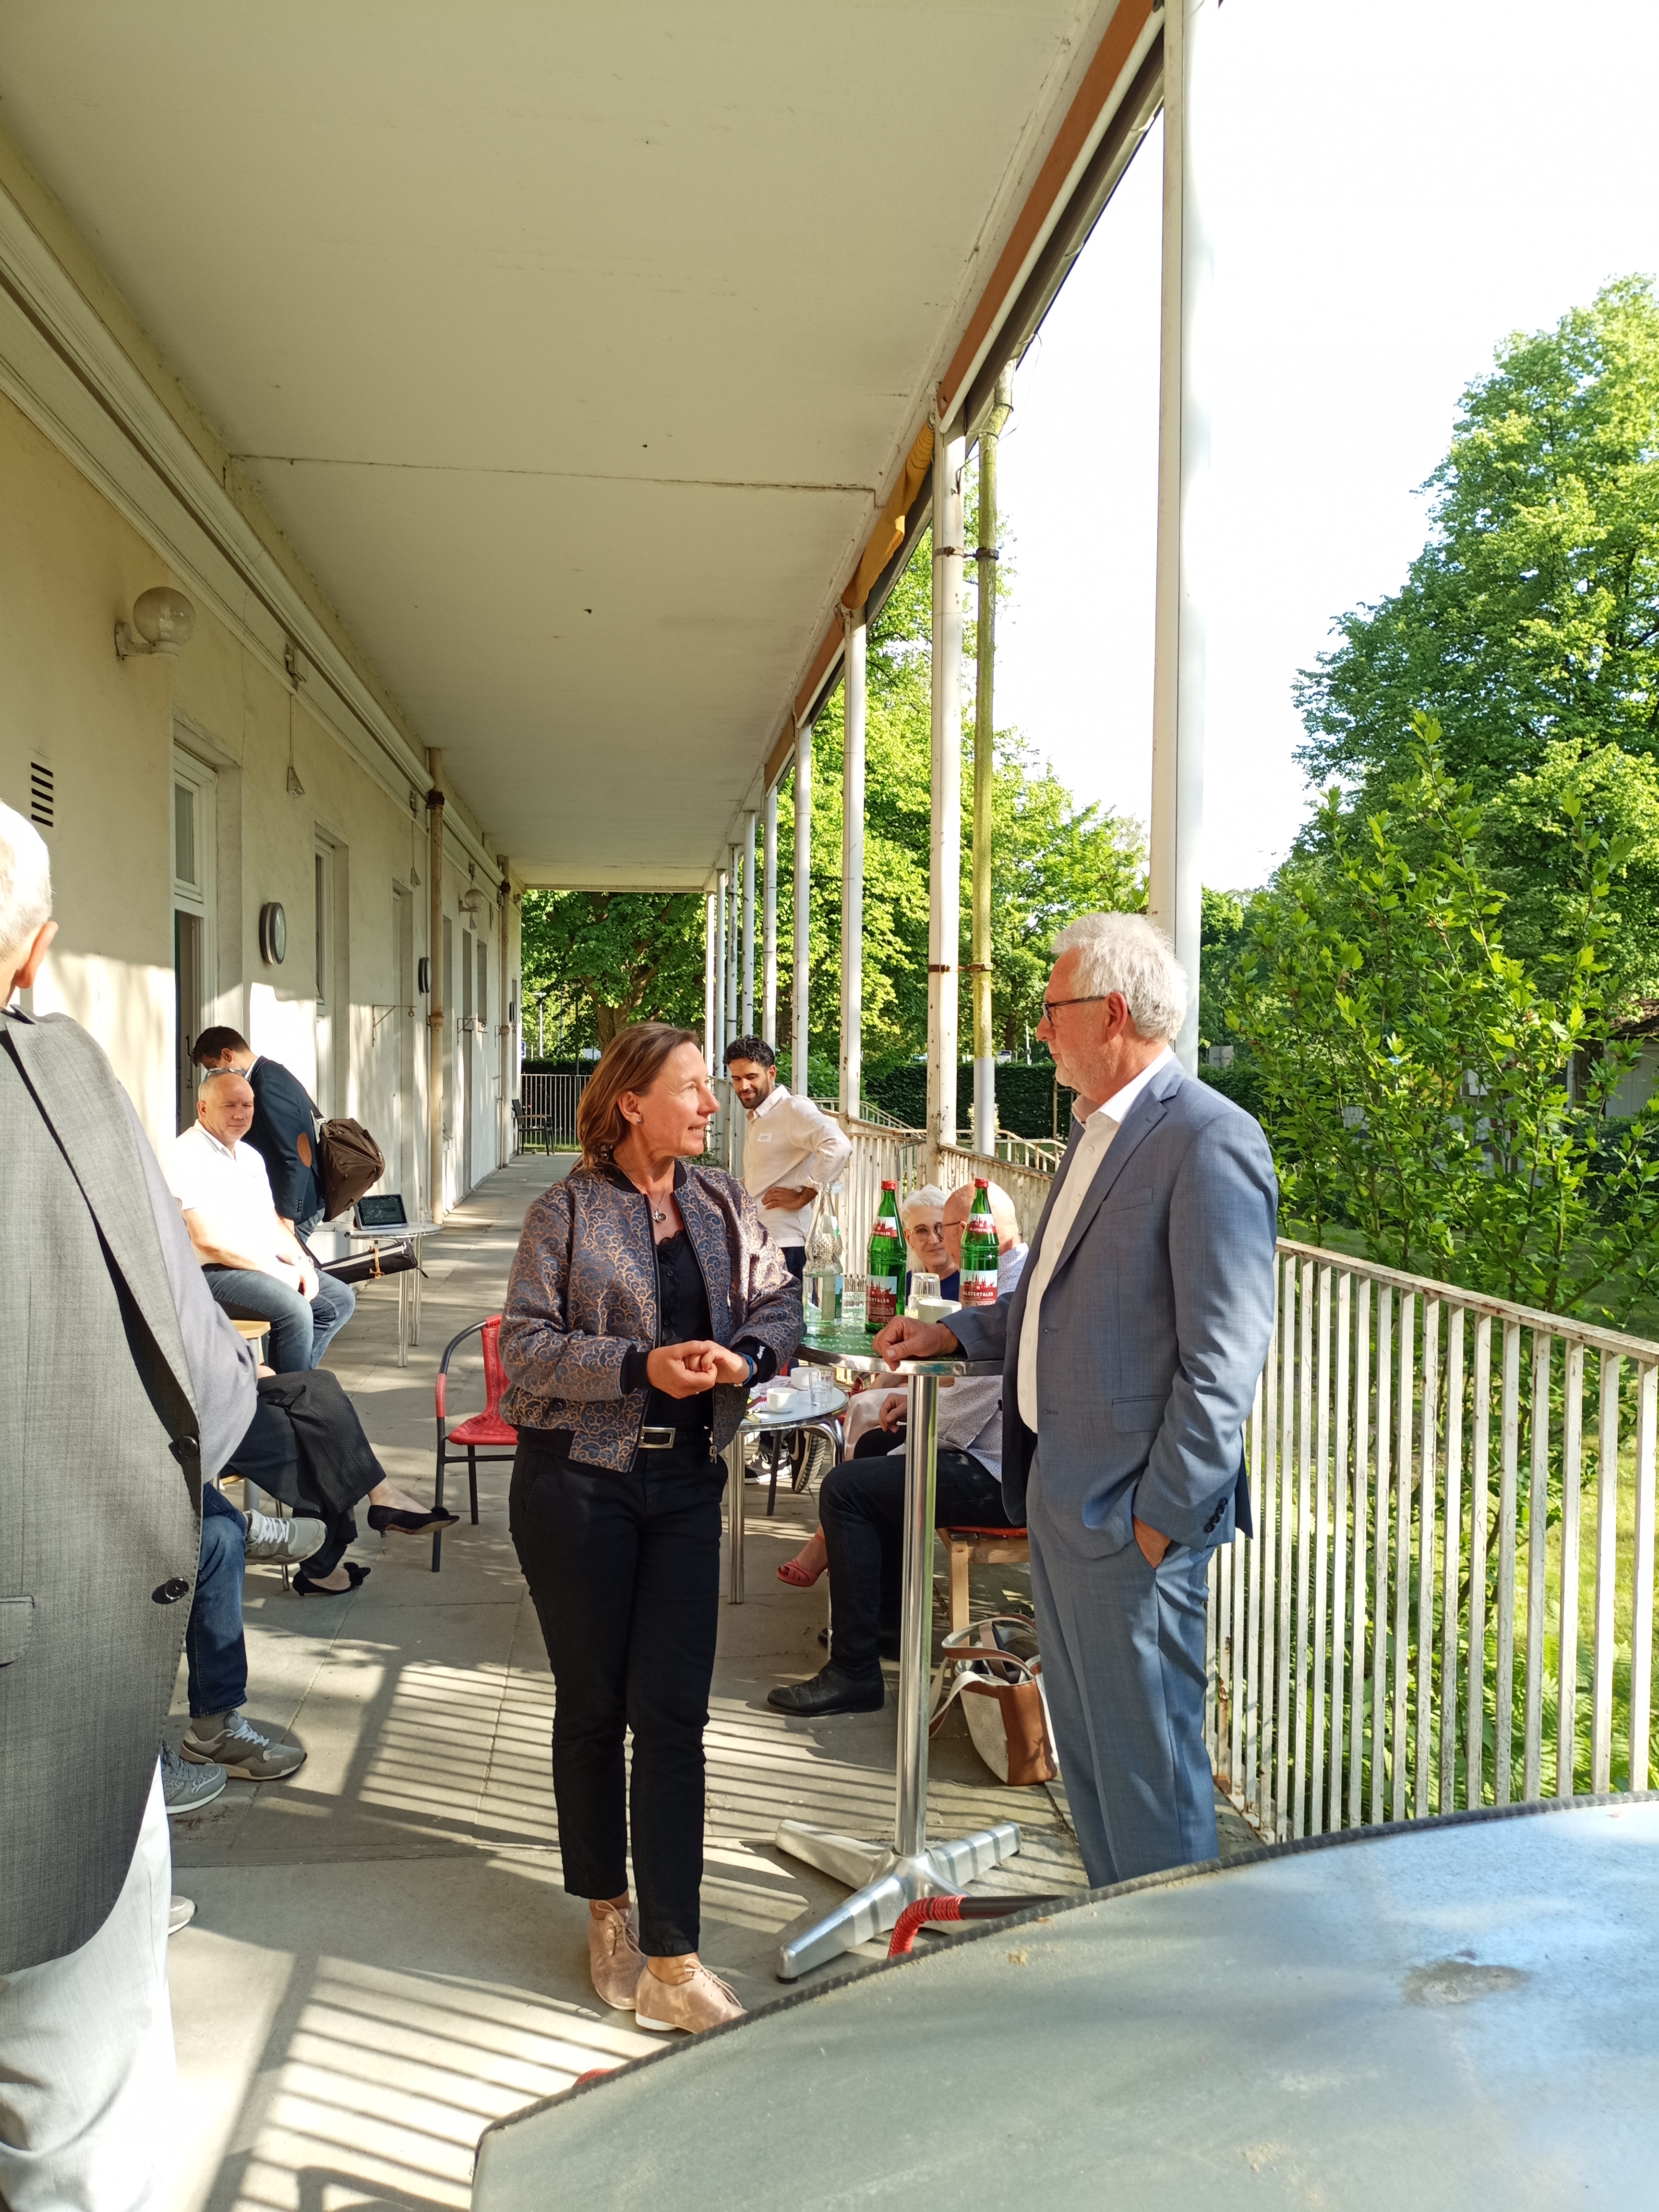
(1052, 1006)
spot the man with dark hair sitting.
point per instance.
(283, 1131)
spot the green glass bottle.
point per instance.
(885, 1285)
(978, 1284)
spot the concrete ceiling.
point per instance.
(573, 346)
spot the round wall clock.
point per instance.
(273, 934)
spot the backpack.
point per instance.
(349, 1163)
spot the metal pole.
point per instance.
(985, 1077)
(799, 1072)
(748, 978)
(734, 1520)
(770, 926)
(711, 1048)
(734, 943)
(945, 872)
(435, 1017)
(915, 1631)
(1174, 897)
(852, 863)
(720, 974)
(504, 1118)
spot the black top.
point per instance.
(683, 1317)
(284, 1135)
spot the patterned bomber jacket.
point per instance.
(583, 1295)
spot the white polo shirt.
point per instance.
(788, 1140)
(230, 1185)
(1098, 1131)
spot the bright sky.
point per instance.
(1405, 185)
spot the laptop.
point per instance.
(384, 1211)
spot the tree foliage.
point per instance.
(1531, 618)
(616, 957)
(1415, 1070)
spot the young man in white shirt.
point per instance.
(861, 1506)
(791, 1149)
(255, 1266)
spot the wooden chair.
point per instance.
(479, 1429)
(980, 1547)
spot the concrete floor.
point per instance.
(383, 1958)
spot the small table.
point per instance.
(815, 1420)
(886, 1878)
(409, 1282)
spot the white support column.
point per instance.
(747, 979)
(798, 1074)
(711, 1046)
(770, 926)
(734, 943)
(945, 872)
(852, 863)
(722, 963)
(1175, 899)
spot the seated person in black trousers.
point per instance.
(861, 1509)
(306, 1445)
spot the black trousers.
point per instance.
(861, 1506)
(624, 1571)
(284, 1455)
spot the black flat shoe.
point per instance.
(398, 1521)
(304, 1587)
(831, 1689)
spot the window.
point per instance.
(484, 984)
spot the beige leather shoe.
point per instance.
(703, 2002)
(614, 1955)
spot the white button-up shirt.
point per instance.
(1098, 1131)
(228, 1184)
(970, 1411)
(788, 1140)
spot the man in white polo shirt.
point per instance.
(255, 1267)
(791, 1149)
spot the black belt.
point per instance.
(653, 1439)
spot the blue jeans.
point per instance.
(215, 1656)
(301, 1330)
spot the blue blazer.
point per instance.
(1156, 1324)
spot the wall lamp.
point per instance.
(473, 903)
(163, 621)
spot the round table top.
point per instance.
(391, 1231)
(763, 1417)
(851, 1345)
(1453, 2012)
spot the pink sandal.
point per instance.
(797, 1576)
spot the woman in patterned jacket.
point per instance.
(646, 1300)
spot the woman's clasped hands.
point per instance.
(683, 1371)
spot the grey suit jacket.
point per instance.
(1155, 1325)
(122, 1385)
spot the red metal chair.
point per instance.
(478, 1430)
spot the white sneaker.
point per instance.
(283, 1543)
(180, 1913)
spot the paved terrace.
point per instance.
(383, 1960)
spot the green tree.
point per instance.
(1531, 614)
(1414, 1069)
(628, 956)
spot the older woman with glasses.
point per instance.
(645, 1299)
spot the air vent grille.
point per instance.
(43, 802)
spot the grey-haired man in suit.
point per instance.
(124, 1387)
(1130, 1351)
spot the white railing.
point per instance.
(880, 1154)
(1042, 1153)
(547, 1111)
(1392, 1641)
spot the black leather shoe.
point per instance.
(399, 1520)
(831, 1689)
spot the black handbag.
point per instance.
(369, 1266)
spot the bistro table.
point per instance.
(344, 1234)
(817, 1418)
(886, 1877)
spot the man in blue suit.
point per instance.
(1130, 1352)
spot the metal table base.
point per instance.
(888, 1877)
